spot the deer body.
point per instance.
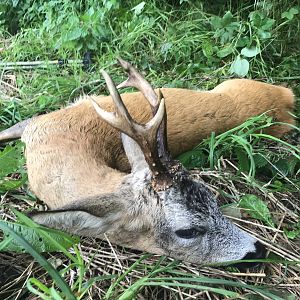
(77, 165)
(83, 151)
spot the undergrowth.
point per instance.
(188, 44)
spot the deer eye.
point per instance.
(190, 233)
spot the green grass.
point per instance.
(177, 44)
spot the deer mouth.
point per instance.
(260, 253)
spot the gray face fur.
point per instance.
(182, 221)
(194, 229)
(187, 223)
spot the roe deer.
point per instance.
(63, 146)
(158, 207)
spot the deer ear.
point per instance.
(134, 154)
(75, 221)
(92, 216)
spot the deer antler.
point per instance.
(144, 135)
(135, 79)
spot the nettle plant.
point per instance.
(80, 29)
(244, 40)
(71, 25)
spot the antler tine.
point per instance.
(121, 108)
(121, 119)
(162, 143)
(144, 135)
(135, 79)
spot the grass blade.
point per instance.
(42, 261)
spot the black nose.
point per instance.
(260, 253)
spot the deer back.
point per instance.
(253, 98)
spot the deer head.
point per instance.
(158, 207)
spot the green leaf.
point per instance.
(263, 34)
(11, 159)
(290, 13)
(267, 24)
(15, 3)
(193, 159)
(225, 51)
(32, 236)
(165, 47)
(243, 159)
(91, 11)
(43, 288)
(227, 18)
(8, 185)
(137, 10)
(260, 160)
(74, 34)
(216, 22)
(250, 52)
(293, 165)
(243, 41)
(40, 259)
(256, 208)
(240, 66)
(207, 49)
(294, 232)
(55, 295)
(283, 165)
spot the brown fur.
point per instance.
(72, 154)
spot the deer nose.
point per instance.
(259, 253)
